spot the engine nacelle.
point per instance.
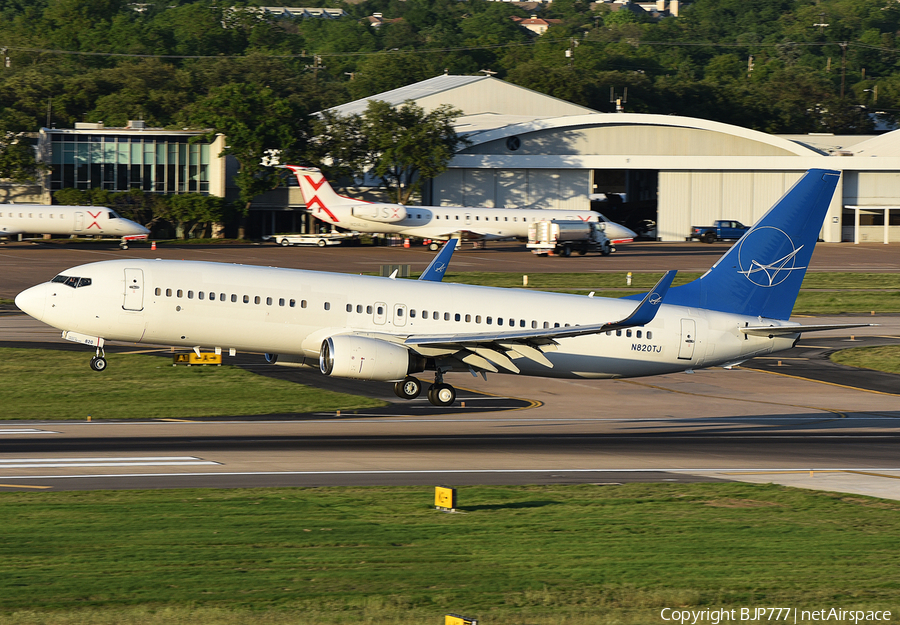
(289, 360)
(385, 213)
(362, 358)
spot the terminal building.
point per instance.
(658, 174)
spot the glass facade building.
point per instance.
(156, 163)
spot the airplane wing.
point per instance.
(771, 331)
(488, 350)
(434, 272)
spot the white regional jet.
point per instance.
(78, 220)
(433, 222)
(377, 328)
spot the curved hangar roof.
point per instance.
(627, 134)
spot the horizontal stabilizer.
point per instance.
(770, 331)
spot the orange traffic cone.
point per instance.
(153, 246)
(405, 242)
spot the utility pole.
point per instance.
(843, 67)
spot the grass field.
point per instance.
(147, 387)
(886, 358)
(540, 554)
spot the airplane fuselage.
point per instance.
(66, 220)
(291, 312)
(440, 222)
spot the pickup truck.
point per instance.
(724, 230)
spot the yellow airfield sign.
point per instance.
(192, 358)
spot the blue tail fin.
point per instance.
(761, 274)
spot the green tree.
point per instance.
(401, 145)
(18, 161)
(254, 120)
(405, 145)
(192, 213)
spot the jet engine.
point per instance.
(385, 213)
(362, 358)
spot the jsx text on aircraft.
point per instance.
(384, 329)
(78, 220)
(434, 222)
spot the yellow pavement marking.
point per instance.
(22, 486)
(852, 388)
(804, 471)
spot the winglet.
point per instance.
(647, 309)
(434, 272)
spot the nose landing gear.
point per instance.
(98, 362)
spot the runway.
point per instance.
(762, 422)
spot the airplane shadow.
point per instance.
(518, 505)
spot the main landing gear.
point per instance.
(439, 393)
(98, 362)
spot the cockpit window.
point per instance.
(72, 281)
(113, 215)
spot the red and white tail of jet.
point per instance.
(318, 194)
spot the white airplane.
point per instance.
(433, 222)
(79, 220)
(384, 329)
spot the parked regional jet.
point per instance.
(433, 222)
(78, 220)
(377, 328)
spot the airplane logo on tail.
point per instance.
(767, 274)
(314, 200)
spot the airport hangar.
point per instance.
(528, 150)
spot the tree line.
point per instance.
(779, 66)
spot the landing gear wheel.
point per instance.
(442, 395)
(321, 243)
(98, 363)
(408, 388)
(433, 246)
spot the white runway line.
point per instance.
(25, 431)
(57, 463)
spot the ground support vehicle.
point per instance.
(562, 237)
(319, 240)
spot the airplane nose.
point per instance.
(31, 301)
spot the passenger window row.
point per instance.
(478, 218)
(638, 333)
(233, 297)
(41, 215)
(369, 309)
(446, 316)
